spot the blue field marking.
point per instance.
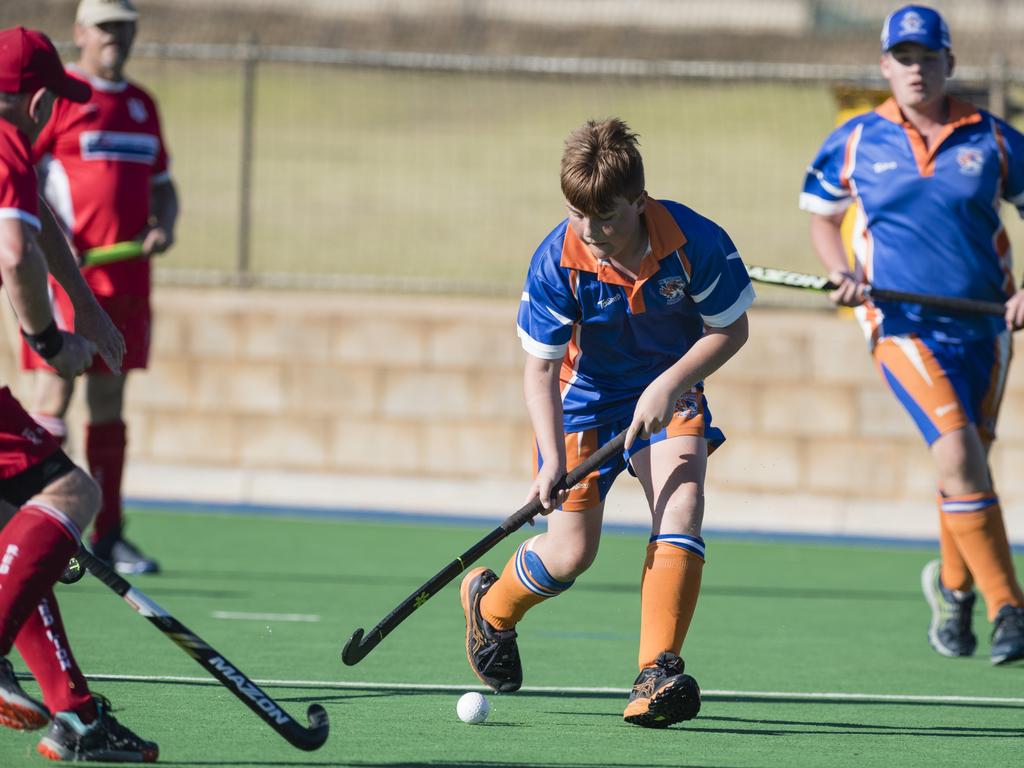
(430, 518)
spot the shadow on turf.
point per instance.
(321, 695)
(793, 593)
(155, 591)
(812, 727)
(379, 580)
(452, 763)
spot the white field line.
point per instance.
(569, 690)
(243, 616)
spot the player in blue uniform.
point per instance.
(926, 173)
(629, 304)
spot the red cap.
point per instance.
(28, 62)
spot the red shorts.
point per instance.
(131, 315)
(23, 443)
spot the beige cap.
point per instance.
(93, 12)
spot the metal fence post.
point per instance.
(243, 268)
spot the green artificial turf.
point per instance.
(775, 618)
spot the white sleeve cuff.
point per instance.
(17, 213)
(820, 205)
(729, 316)
(537, 349)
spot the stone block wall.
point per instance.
(416, 402)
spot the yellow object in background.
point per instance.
(853, 100)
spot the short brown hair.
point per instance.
(601, 162)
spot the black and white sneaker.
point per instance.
(950, 630)
(124, 556)
(103, 740)
(18, 710)
(662, 694)
(1008, 635)
(493, 653)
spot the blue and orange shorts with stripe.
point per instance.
(945, 386)
(692, 418)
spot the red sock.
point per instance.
(43, 644)
(104, 448)
(34, 549)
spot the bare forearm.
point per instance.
(60, 260)
(544, 404)
(827, 241)
(707, 355)
(24, 275)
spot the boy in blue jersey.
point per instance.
(629, 304)
(926, 173)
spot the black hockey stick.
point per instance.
(358, 647)
(789, 279)
(228, 674)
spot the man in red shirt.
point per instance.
(51, 498)
(104, 170)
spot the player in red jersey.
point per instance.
(104, 170)
(52, 499)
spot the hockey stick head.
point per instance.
(354, 652)
(315, 735)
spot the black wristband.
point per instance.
(47, 343)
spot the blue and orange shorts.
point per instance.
(945, 386)
(692, 418)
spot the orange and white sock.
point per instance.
(524, 583)
(975, 521)
(668, 593)
(955, 574)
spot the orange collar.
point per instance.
(662, 230)
(961, 113)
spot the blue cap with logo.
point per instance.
(915, 24)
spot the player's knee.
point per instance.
(75, 494)
(548, 576)
(576, 558)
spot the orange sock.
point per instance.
(524, 583)
(955, 574)
(668, 593)
(976, 524)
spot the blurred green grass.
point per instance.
(431, 176)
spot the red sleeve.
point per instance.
(18, 188)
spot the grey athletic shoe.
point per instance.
(18, 710)
(950, 630)
(104, 739)
(1008, 635)
(123, 556)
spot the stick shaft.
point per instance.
(359, 645)
(806, 281)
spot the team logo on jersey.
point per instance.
(911, 24)
(672, 288)
(137, 110)
(686, 406)
(970, 161)
(119, 145)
